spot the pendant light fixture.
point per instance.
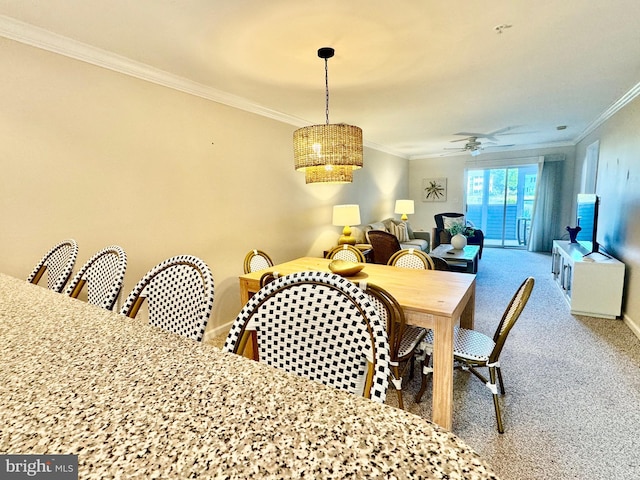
(327, 153)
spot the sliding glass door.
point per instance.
(499, 201)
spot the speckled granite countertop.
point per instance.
(133, 401)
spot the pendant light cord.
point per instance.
(326, 84)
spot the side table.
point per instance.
(465, 260)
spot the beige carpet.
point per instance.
(572, 406)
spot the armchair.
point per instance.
(441, 235)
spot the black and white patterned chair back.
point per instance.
(103, 274)
(319, 326)
(411, 258)
(256, 260)
(347, 253)
(58, 263)
(179, 294)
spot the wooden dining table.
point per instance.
(137, 402)
(433, 299)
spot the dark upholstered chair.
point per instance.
(384, 245)
(440, 235)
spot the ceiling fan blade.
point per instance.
(501, 146)
(489, 136)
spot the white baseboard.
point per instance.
(214, 332)
(632, 324)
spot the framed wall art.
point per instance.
(434, 190)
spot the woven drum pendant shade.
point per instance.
(328, 153)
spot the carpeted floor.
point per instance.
(572, 403)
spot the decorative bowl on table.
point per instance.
(345, 268)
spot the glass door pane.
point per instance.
(499, 201)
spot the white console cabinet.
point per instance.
(592, 284)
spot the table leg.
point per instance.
(443, 372)
(443, 359)
(467, 317)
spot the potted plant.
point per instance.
(459, 234)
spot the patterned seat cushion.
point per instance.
(467, 344)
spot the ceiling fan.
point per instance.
(474, 146)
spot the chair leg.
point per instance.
(426, 370)
(496, 404)
(500, 380)
(397, 383)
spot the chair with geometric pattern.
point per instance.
(346, 252)
(179, 295)
(473, 349)
(256, 260)
(319, 326)
(411, 258)
(403, 338)
(58, 264)
(103, 275)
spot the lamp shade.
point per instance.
(404, 207)
(328, 153)
(344, 215)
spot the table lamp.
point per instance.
(347, 216)
(404, 207)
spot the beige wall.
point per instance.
(618, 185)
(452, 168)
(107, 159)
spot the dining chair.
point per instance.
(473, 349)
(179, 295)
(268, 277)
(58, 264)
(346, 252)
(256, 260)
(103, 275)
(384, 245)
(440, 264)
(319, 326)
(403, 339)
(411, 258)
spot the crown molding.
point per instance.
(46, 40)
(37, 37)
(626, 99)
(40, 38)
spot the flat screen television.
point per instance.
(587, 220)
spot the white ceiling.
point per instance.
(410, 73)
